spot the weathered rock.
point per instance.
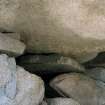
(97, 73)
(70, 27)
(101, 85)
(30, 88)
(52, 63)
(44, 103)
(13, 35)
(11, 46)
(62, 101)
(81, 88)
(99, 61)
(18, 87)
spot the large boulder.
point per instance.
(70, 27)
(80, 87)
(18, 87)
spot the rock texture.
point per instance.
(51, 63)
(99, 61)
(18, 87)
(97, 73)
(81, 88)
(12, 35)
(30, 88)
(11, 46)
(62, 101)
(70, 27)
(44, 103)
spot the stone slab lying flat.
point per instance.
(52, 63)
(11, 46)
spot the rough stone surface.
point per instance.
(70, 27)
(13, 35)
(18, 87)
(52, 63)
(81, 88)
(98, 61)
(44, 103)
(11, 46)
(62, 101)
(34, 93)
(97, 73)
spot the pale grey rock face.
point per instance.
(52, 63)
(97, 73)
(18, 87)
(70, 27)
(62, 101)
(11, 46)
(30, 88)
(81, 88)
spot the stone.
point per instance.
(52, 63)
(44, 103)
(62, 101)
(81, 88)
(96, 73)
(7, 78)
(101, 85)
(69, 27)
(30, 88)
(18, 87)
(11, 46)
(99, 61)
(12, 35)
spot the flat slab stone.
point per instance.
(52, 63)
(11, 46)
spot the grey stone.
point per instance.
(44, 103)
(18, 87)
(30, 88)
(11, 46)
(62, 101)
(70, 27)
(52, 63)
(99, 61)
(96, 73)
(81, 88)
